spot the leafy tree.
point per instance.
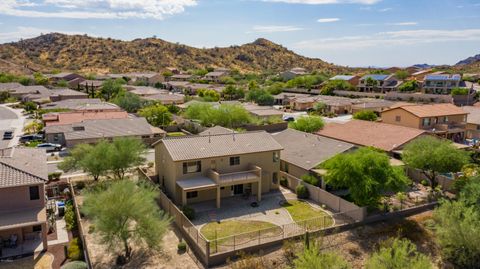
(336, 85)
(276, 88)
(233, 93)
(308, 124)
(227, 80)
(92, 159)
(30, 106)
(110, 88)
(226, 115)
(371, 82)
(128, 101)
(401, 74)
(398, 254)
(167, 74)
(319, 107)
(208, 95)
(253, 85)
(409, 86)
(367, 173)
(156, 115)
(40, 79)
(124, 213)
(367, 115)
(470, 192)
(313, 258)
(433, 156)
(459, 91)
(62, 83)
(4, 96)
(33, 127)
(200, 72)
(307, 81)
(125, 153)
(457, 232)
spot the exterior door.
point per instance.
(237, 189)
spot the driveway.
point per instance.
(10, 119)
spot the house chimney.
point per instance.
(209, 140)
(233, 134)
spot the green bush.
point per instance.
(75, 265)
(70, 218)
(312, 180)
(188, 212)
(182, 246)
(367, 115)
(284, 182)
(75, 250)
(459, 91)
(302, 192)
(54, 176)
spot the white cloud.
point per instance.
(94, 9)
(392, 38)
(323, 20)
(22, 32)
(406, 23)
(385, 9)
(274, 29)
(325, 2)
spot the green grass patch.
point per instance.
(33, 144)
(303, 213)
(232, 227)
(173, 134)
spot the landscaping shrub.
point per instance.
(182, 246)
(188, 212)
(284, 182)
(75, 265)
(54, 176)
(70, 218)
(75, 250)
(312, 180)
(302, 192)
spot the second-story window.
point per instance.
(235, 160)
(276, 156)
(398, 118)
(192, 167)
(34, 193)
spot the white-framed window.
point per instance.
(235, 160)
(192, 167)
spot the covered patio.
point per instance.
(23, 232)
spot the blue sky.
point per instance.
(346, 32)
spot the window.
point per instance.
(398, 118)
(192, 194)
(445, 119)
(235, 160)
(275, 178)
(286, 167)
(276, 156)
(56, 137)
(34, 193)
(37, 228)
(192, 167)
(426, 122)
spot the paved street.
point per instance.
(10, 119)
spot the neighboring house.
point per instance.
(420, 75)
(194, 169)
(387, 137)
(215, 76)
(23, 214)
(473, 122)
(176, 86)
(65, 76)
(378, 83)
(40, 94)
(375, 105)
(222, 69)
(303, 152)
(93, 104)
(352, 80)
(89, 85)
(61, 118)
(285, 98)
(181, 77)
(216, 130)
(445, 120)
(293, 73)
(10, 87)
(65, 94)
(91, 131)
(441, 83)
(150, 79)
(167, 98)
(262, 111)
(144, 90)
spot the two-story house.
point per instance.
(441, 83)
(211, 167)
(23, 217)
(445, 120)
(378, 83)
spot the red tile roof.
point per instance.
(62, 118)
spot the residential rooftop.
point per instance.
(378, 77)
(81, 104)
(387, 137)
(444, 77)
(432, 110)
(342, 77)
(209, 146)
(308, 150)
(474, 114)
(215, 130)
(22, 166)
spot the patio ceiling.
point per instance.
(196, 183)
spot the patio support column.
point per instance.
(259, 191)
(218, 197)
(44, 236)
(184, 198)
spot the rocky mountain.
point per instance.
(469, 65)
(83, 53)
(470, 60)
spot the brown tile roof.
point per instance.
(474, 114)
(208, 146)
(433, 110)
(22, 166)
(308, 150)
(81, 104)
(383, 136)
(51, 119)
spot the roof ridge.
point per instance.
(22, 171)
(210, 135)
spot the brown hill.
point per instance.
(88, 54)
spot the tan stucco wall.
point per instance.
(171, 172)
(17, 198)
(409, 120)
(472, 131)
